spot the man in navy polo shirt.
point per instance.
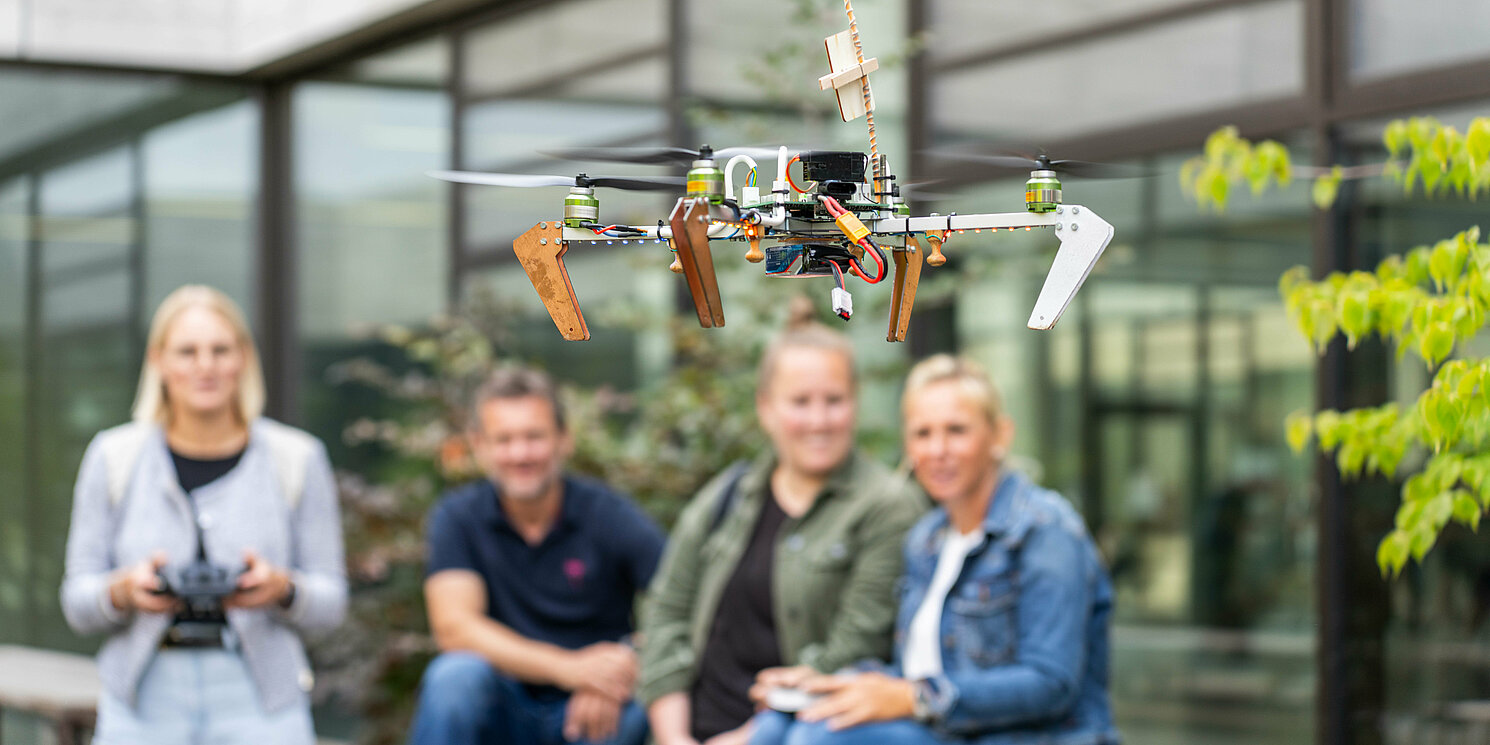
(531, 580)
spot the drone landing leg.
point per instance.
(907, 279)
(690, 225)
(541, 252)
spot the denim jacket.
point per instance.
(1024, 631)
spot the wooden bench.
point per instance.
(57, 686)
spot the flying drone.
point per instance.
(846, 218)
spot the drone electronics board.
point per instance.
(846, 218)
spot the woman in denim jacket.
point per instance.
(1002, 633)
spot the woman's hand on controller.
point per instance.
(260, 584)
(137, 588)
(779, 677)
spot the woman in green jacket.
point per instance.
(789, 561)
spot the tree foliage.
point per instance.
(1426, 301)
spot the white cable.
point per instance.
(729, 173)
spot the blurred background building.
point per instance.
(277, 150)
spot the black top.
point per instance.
(575, 587)
(193, 473)
(742, 639)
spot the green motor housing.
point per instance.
(1042, 193)
(581, 206)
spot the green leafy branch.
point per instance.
(1420, 150)
(1452, 420)
(1427, 302)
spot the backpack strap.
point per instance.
(726, 500)
(290, 451)
(121, 447)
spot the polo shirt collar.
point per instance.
(491, 508)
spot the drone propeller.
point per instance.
(657, 155)
(522, 180)
(918, 191)
(1020, 161)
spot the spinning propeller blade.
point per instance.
(522, 180)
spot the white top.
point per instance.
(923, 649)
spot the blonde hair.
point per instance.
(151, 404)
(970, 377)
(802, 332)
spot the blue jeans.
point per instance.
(190, 696)
(776, 728)
(464, 701)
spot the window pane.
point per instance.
(1388, 37)
(15, 543)
(521, 98)
(372, 240)
(201, 181)
(963, 27)
(1224, 58)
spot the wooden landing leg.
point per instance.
(690, 224)
(541, 252)
(907, 279)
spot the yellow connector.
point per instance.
(851, 227)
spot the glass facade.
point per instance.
(114, 189)
(1155, 405)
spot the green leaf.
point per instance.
(1395, 137)
(1417, 265)
(1326, 188)
(1421, 542)
(1292, 278)
(1327, 427)
(1216, 188)
(1436, 343)
(1220, 142)
(1299, 426)
(1355, 315)
(1466, 510)
(1477, 141)
(1391, 554)
(1350, 458)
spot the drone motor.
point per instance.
(581, 207)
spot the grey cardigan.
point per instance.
(246, 508)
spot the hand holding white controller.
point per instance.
(790, 700)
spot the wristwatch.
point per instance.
(923, 691)
(289, 596)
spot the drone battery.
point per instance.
(780, 258)
(834, 165)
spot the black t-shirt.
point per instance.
(742, 639)
(194, 472)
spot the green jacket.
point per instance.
(833, 578)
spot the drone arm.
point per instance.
(1084, 236)
(981, 221)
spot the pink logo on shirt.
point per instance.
(574, 570)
